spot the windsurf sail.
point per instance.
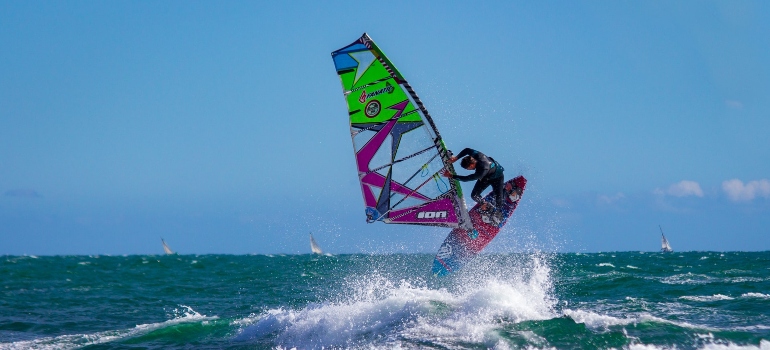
(314, 246)
(664, 246)
(398, 150)
(166, 248)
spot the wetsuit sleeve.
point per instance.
(466, 152)
(481, 167)
(480, 171)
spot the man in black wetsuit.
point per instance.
(487, 172)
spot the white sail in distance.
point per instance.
(664, 246)
(314, 246)
(166, 248)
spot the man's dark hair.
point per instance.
(466, 162)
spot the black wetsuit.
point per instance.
(488, 172)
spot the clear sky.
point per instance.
(221, 126)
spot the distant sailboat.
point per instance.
(166, 248)
(314, 246)
(664, 246)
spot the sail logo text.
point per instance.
(431, 214)
(388, 89)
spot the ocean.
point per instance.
(621, 300)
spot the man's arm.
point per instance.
(480, 171)
(466, 152)
(463, 153)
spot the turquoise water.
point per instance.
(694, 300)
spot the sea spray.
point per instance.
(373, 306)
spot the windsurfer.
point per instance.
(487, 172)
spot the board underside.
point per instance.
(462, 245)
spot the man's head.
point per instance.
(468, 163)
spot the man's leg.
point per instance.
(488, 209)
(479, 187)
(498, 188)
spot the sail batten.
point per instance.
(398, 149)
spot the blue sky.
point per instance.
(222, 127)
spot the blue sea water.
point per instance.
(623, 300)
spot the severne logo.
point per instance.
(431, 214)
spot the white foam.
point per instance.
(606, 265)
(597, 321)
(744, 279)
(755, 295)
(705, 298)
(377, 307)
(753, 328)
(594, 320)
(644, 347)
(73, 341)
(763, 345)
(688, 278)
